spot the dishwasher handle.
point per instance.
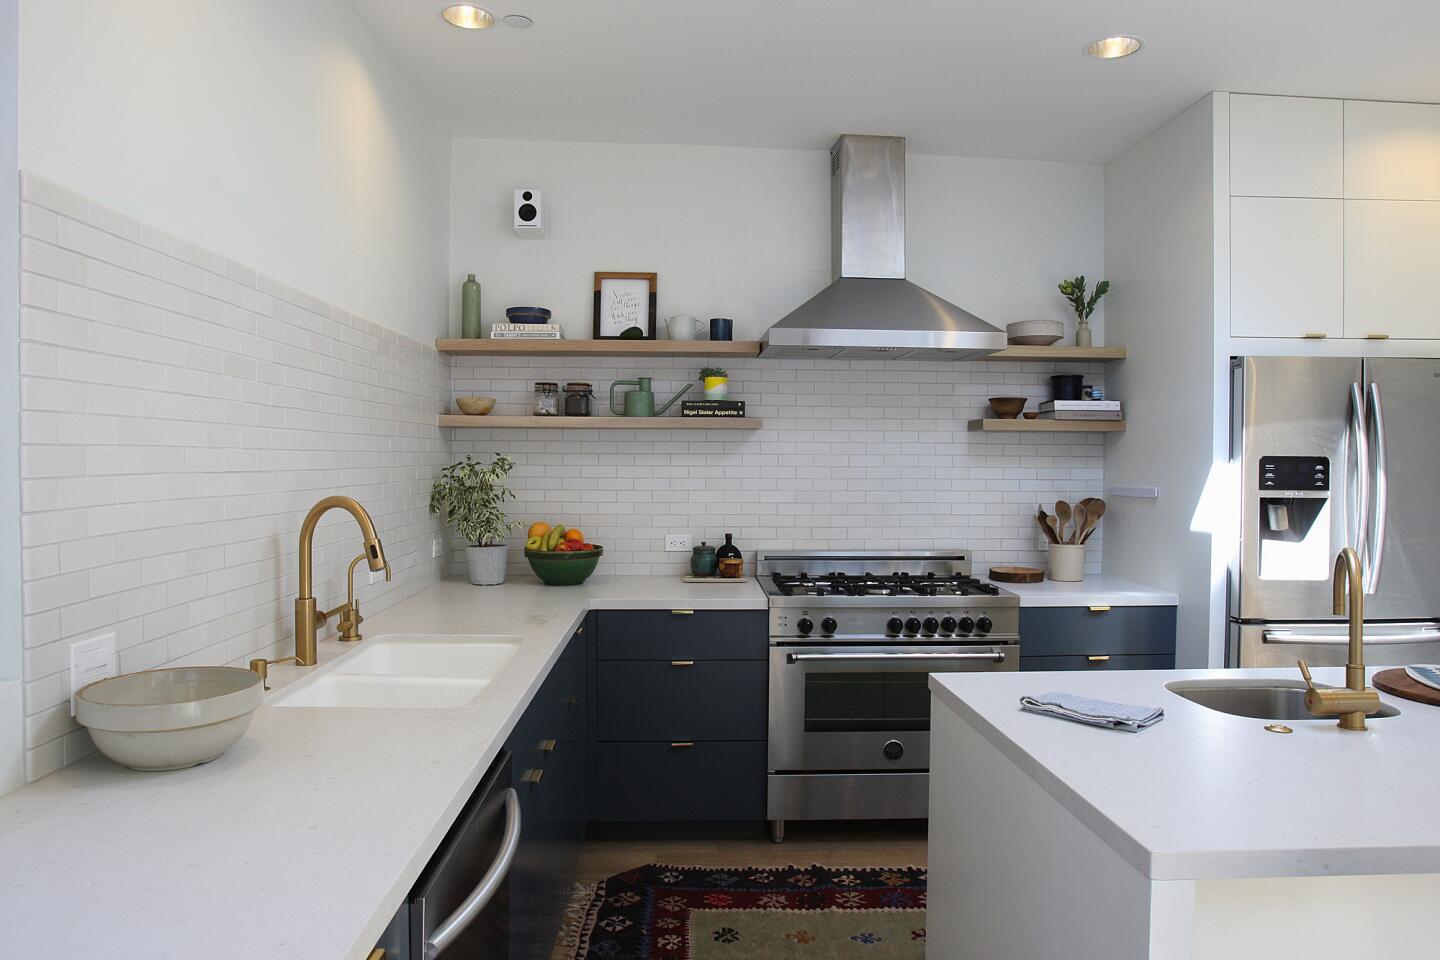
(465, 914)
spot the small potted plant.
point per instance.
(717, 383)
(469, 497)
(1074, 291)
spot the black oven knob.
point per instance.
(804, 625)
(894, 750)
(828, 625)
(966, 625)
(912, 625)
(948, 625)
(894, 625)
(983, 625)
(932, 625)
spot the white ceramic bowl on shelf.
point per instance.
(169, 719)
(1034, 333)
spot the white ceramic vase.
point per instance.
(1067, 562)
(486, 564)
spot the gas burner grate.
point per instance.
(881, 585)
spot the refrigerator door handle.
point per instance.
(1375, 540)
(1423, 634)
(1359, 456)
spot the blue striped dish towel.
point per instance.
(1099, 713)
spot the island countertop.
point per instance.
(1204, 795)
(305, 837)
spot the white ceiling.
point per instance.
(996, 78)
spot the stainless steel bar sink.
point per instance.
(1260, 699)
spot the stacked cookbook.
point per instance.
(526, 331)
(1080, 410)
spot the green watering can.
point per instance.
(640, 402)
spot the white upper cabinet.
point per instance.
(1392, 257)
(1392, 151)
(1287, 147)
(1287, 267)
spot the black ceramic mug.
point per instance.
(1066, 386)
(722, 328)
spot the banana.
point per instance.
(557, 534)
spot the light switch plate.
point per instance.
(90, 660)
(677, 542)
(434, 548)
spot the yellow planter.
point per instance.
(716, 388)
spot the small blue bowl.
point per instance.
(527, 315)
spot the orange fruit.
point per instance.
(538, 529)
(574, 536)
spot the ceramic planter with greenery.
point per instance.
(717, 383)
(1074, 291)
(469, 497)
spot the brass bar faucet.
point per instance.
(350, 618)
(307, 617)
(1352, 702)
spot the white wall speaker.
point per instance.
(529, 214)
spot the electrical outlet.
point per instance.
(434, 549)
(677, 542)
(91, 660)
(1042, 542)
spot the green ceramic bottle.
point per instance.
(470, 308)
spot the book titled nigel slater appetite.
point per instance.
(712, 408)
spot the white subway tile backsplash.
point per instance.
(180, 414)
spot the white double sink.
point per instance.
(407, 671)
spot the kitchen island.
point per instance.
(1205, 836)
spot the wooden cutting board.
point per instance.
(1400, 684)
(1019, 575)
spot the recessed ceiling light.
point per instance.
(517, 20)
(1113, 48)
(467, 16)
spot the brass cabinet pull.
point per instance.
(579, 631)
(571, 701)
(1316, 336)
(533, 776)
(377, 954)
(1377, 336)
(683, 613)
(1098, 657)
(548, 746)
(682, 663)
(1100, 608)
(682, 744)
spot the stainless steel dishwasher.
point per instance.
(460, 905)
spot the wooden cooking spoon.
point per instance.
(1047, 524)
(1080, 519)
(1096, 511)
(1062, 514)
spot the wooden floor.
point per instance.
(879, 844)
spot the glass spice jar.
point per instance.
(547, 399)
(577, 399)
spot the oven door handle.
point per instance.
(995, 656)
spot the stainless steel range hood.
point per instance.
(871, 311)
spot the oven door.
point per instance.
(862, 707)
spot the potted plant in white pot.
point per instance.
(469, 496)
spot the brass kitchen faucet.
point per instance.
(1353, 701)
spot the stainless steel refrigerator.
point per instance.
(1335, 453)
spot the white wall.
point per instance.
(12, 766)
(745, 233)
(1159, 251)
(273, 132)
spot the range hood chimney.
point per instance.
(870, 311)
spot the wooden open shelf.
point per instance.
(600, 348)
(996, 425)
(1072, 354)
(601, 423)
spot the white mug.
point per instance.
(683, 327)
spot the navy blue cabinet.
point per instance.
(679, 721)
(1098, 638)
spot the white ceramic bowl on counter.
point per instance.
(169, 719)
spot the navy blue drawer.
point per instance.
(669, 635)
(680, 700)
(1142, 662)
(656, 782)
(1079, 631)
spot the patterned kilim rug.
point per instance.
(659, 912)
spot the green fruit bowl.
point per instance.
(564, 569)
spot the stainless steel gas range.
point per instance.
(853, 639)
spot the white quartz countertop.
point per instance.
(1205, 795)
(1098, 591)
(303, 839)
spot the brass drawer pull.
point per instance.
(683, 613)
(1098, 657)
(533, 776)
(548, 746)
(682, 744)
(1316, 336)
(682, 663)
(1100, 608)
(1377, 336)
(377, 954)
